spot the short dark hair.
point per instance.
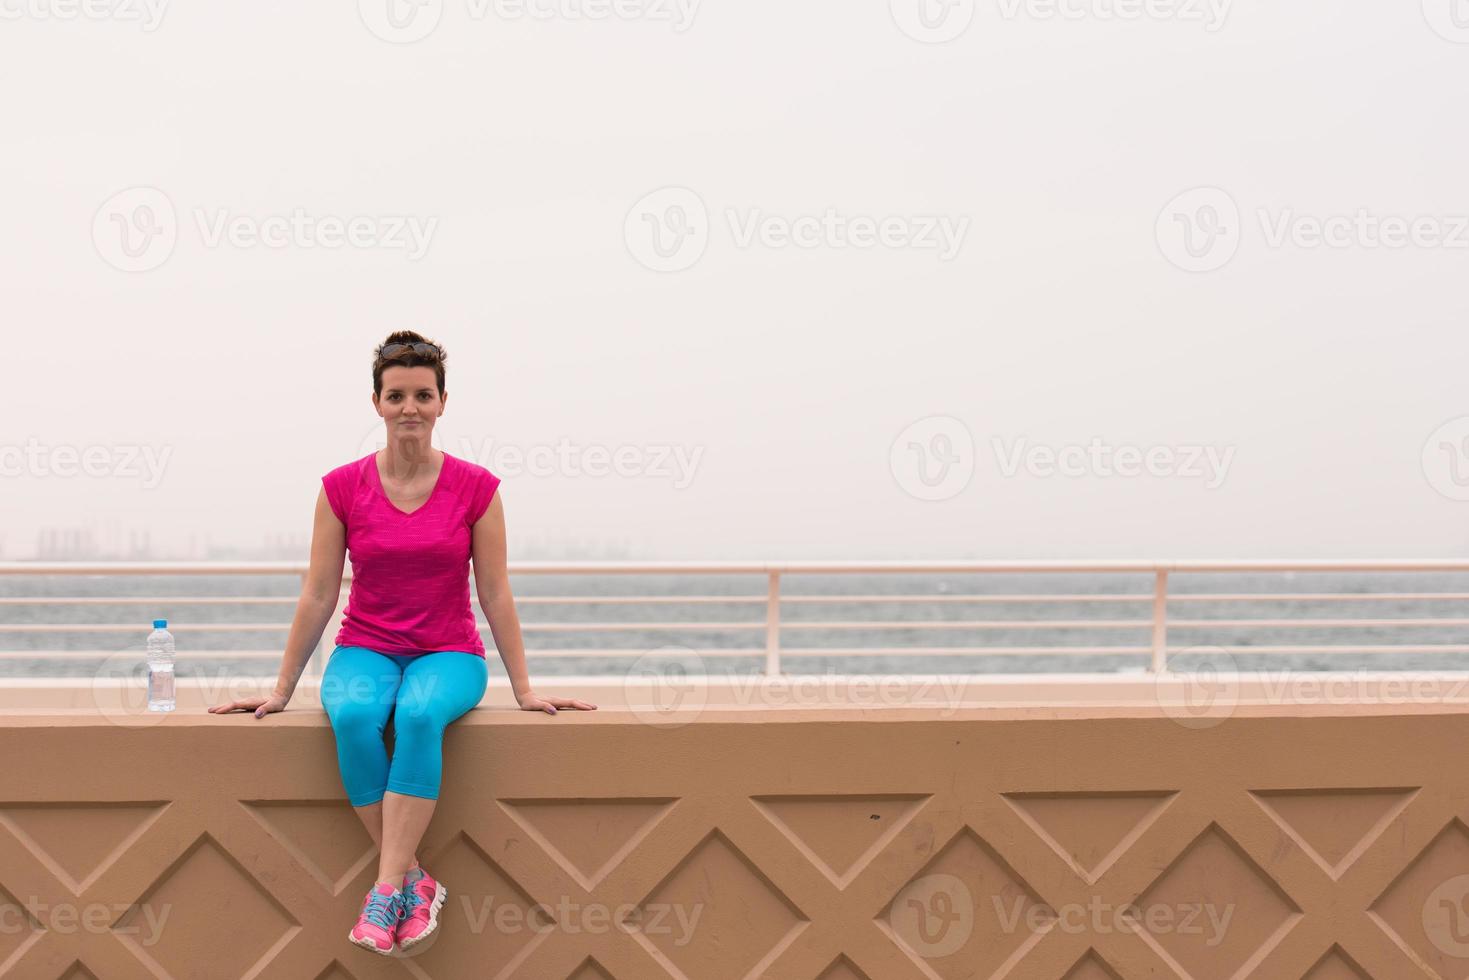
(407, 358)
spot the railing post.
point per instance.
(772, 627)
(1160, 623)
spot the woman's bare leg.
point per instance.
(404, 820)
(372, 818)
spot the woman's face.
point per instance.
(410, 402)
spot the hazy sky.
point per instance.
(830, 280)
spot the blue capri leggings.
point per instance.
(361, 688)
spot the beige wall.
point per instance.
(831, 843)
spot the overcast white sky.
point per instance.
(1076, 297)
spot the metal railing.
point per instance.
(1153, 627)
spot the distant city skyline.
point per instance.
(92, 542)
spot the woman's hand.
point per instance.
(261, 706)
(531, 701)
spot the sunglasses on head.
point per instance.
(427, 350)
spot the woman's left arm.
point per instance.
(492, 583)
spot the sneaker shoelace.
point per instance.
(381, 909)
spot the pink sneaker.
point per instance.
(382, 910)
(425, 897)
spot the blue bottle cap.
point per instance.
(159, 624)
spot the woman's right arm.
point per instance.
(319, 597)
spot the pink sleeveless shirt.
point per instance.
(410, 571)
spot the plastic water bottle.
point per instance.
(160, 667)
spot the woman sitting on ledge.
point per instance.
(411, 517)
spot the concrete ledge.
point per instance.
(1121, 837)
(1190, 693)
